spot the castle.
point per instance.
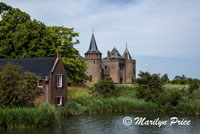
(121, 69)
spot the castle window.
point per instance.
(105, 67)
(132, 78)
(90, 78)
(94, 62)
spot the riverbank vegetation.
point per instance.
(42, 115)
(84, 101)
(150, 94)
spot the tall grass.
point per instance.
(120, 104)
(82, 101)
(126, 90)
(75, 93)
(41, 116)
(176, 86)
(190, 107)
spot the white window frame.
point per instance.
(59, 83)
(60, 103)
(40, 86)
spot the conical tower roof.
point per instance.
(93, 46)
(115, 53)
(126, 51)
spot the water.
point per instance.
(112, 124)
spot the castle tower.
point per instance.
(93, 61)
(130, 64)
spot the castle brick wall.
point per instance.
(94, 70)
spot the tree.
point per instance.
(194, 85)
(72, 60)
(165, 78)
(105, 88)
(21, 37)
(17, 88)
(150, 86)
(4, 7)
(76, 69)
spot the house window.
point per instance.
(59, 80)
(59, 100)
(40, 83)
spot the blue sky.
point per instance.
(162, 35)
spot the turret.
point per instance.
(130, 66)
(126, 54)
(93, 60)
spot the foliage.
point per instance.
(126, 90)
(183, 80)
(165, 78)
(17, 88)
(150, 86)
(22, 37)
(28, 117)
(105, 88)
(170, 97)
(76, 69)
(193, 86)
(4, 7)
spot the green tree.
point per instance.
(72, 60)
(17, 88)
(165, 78)
(105, 88)
(22, 37)
(194, 85)
(4, 7)
(150, 86)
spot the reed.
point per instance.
(28, 117)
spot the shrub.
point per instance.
(105, 88)
(150, 86)
(193, 86)
(17, 88)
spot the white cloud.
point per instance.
(168, 28)
(151, 27)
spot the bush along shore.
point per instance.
(82, 101)
(121, 98)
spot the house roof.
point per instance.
(93, 46)
(39, 66)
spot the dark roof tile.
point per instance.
(39, 66)
(93, 46)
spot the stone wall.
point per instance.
(94, 70)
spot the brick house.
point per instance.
(53, 78)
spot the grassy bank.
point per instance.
(82, 101)
(40, 116)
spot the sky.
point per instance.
(162, 35)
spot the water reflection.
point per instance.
(112, 124)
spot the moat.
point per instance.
(112, 124)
